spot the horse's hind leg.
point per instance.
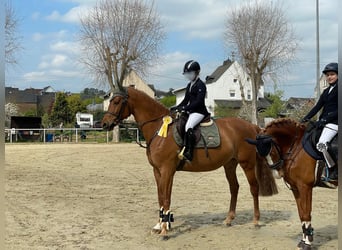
(230, 170)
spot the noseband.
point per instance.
(281, 161)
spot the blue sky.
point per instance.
(194, 31)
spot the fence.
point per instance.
(70, 135)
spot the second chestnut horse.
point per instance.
(281, 145)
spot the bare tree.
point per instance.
(119, 36)
(263, 39)
(12, 38)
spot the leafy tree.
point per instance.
(75, 105)
(168, 101)
(31, 112)
(60, 111)
(90, 93)
(277, 104)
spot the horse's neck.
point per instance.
(147, 112)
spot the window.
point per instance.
(235, 80)
(231, 93)
(249, 97)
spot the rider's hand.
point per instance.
(174, 108)
(320, 123)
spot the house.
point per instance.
(30, 99)
(224, 88)
(297, 106)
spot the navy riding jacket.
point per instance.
(194, 99)
(329, 103)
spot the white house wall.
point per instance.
(221, 88)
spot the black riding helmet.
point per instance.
(331, 67)
(191, 66)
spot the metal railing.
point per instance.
(71, 135)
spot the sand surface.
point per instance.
(103, 196)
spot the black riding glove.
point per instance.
(321, 123)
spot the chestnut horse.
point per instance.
(162, 152)
(281, 144)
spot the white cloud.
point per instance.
(72, 16)
(38, 36)
(53, 61)
(65, 46)
(54, 16)
(49, 75)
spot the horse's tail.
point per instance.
(264, 175)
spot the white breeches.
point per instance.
(193, 120)
(329, 131)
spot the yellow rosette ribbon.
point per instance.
(163, 129)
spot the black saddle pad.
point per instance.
(309, 141)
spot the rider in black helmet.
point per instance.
(194, 104)
(328, 120)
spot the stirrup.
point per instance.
(181, 154)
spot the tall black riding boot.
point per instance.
(333, 174)
(190, 141)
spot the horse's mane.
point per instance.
(285, 128)
(284, 123)
(146, 97)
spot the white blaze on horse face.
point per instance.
(274, 172)
(269, 160)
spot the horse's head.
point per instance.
(277, 141)
(117, 110)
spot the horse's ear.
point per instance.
(251, 141)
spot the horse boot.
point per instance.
(190, 141)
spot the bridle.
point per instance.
(289, 153)
(118, 116)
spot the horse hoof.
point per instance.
(303, 246)
(165, 237)
(226, 223)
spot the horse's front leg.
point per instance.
(164, 181)
(303, 196)
(230, 171)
